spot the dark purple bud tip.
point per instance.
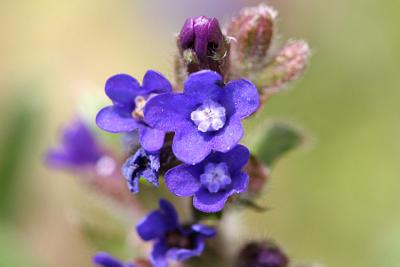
(202, 45)
(262, 254)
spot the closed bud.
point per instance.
(258, 174)
(287, 66)
(203, 46)
(262, 254)
(253, 31)
(142, 263)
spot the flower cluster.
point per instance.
(189, 134)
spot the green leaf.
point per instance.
(279, 140)
(248, 203)
(15, 144)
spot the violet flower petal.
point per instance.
(158, 255)
(106, 260)
(240, 98)
(152, 226)
(209, 202)
(181, 254)
(204, 85)
(236, 159)
(78, 147)
(151, 139)
(169, 212)
(122, 89)
(189, 146)
(225, 139)
(115, 120)
(240, 183)
(169, 112)
(182, 180)
(204, 230)
(154, 82)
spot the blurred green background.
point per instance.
(336, 201)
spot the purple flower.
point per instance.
(205, 117)
(172, 240)
(78, 147)
(106, 260)
(141, 164)
(211, 181)
(262, 254)
(129, 100)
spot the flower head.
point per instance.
(129, 100)
(213, 180)
(79, 147)
(262, 254)
(141, 164)
(205, 117)
(104, 259)
(172, 240)
(202, 45)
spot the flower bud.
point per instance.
(253, 30)
(142, 263)
(203, 46)
(287, 66)
(262, 254)
(258, 174)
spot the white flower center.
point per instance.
(209, 117)
(215, 177)
(140, 103)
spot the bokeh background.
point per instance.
(336, 201)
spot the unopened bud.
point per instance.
(253, 31)
(142, 263)
(287, 66)
(262, 254)
(203, 46)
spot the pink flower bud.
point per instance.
(287, 66)
(253, 31)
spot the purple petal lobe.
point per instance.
(122, 89)
(209, 202)
(229, 136)
(236, 158)
(190, 147)
(115, 120)
(204, 85)
(181, 254)
(169, 212)
(169, 112)
(204, 230)
(152, 226)
(241, 98)
(151, 139)
(182, 180)
(106, 260)
(158, 255)
(240, 183)
(155, 82)
(78, 147)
